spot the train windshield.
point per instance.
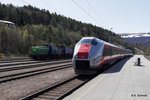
(89, 41)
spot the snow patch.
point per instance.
(132, 35)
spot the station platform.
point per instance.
(123, 81)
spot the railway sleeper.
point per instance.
(56, 92)
(60, 91)
(40, 99)
(47, 96)
(55, 95)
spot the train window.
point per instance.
(113, 51)
(94, 42)
(89, 41)
(109, 51)
(86, 41)
(116, 51)
(105, 52)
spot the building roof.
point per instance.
(7, 22)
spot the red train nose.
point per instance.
(83, 51)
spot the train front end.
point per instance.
(39, 52)
(87, 55)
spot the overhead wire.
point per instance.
(85, 11)
(92, 8)
(48, 5)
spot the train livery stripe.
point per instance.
(83, 51)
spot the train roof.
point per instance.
(104, 42)
(88, 37)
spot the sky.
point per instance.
(119, 16)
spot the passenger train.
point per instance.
(92, 54)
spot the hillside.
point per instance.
(37, 27)
(140, 38)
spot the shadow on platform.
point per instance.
(116, 67)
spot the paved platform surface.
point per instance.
(123, 81)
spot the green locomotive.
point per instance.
(49, 51)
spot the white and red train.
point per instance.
(92, 54)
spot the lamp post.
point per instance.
(109, 36)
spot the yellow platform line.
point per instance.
(90, 88)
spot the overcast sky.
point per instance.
(121, 16)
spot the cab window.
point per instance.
(89, 41)
(94, 42)
(86, 41)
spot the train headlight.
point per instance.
(78, 56)
(86, 57)
(82, 57)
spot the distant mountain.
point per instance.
(143, 38)
(132, 35)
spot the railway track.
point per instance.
(19, 62)
(59, 90)
(24, 61)
(7, 60)
(13, 61)
(29, 65)
(11, 77)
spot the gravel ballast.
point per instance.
(31, 69)
(16, 89)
